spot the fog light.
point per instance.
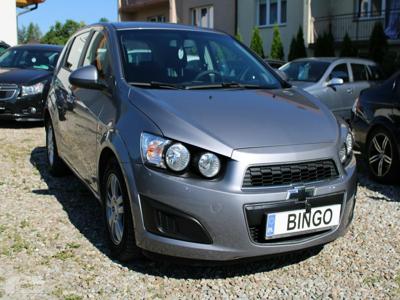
(32, 110)
(209, 165)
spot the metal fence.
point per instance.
(358, 27)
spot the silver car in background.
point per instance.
(337, 82)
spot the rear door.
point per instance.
(361, 76)
(65, 100)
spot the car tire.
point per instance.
(117, 214)
(56, 165)
(382, 156)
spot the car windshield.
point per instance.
(29, 58)
(309, 71)
(190, 60)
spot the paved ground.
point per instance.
(52, 246)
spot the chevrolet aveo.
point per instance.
(195, 147)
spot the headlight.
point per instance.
(209, 165)
(152, 149)
(32, 89)
(346, 149)
(177, 157)
(349, 143)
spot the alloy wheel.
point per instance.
(380, 155)
(115, 209)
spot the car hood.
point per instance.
(225, 120)
(23, 76)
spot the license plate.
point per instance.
(294, 222)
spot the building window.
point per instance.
(271, 12)
(203, 16)
(160, 19)
(370, 8)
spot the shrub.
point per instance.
(277, 47)
(256, 43)
(348, 50)
(325, 45)
(378, 45)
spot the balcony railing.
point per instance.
(133, 5)
(358, 27)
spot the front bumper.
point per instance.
(29, 108)
(219, 206)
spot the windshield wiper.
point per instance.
(226, 85)
(156, 84)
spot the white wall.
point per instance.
(8, 22)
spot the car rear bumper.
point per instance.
(222, 216)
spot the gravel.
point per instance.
(52, 245)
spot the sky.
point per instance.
(88, 11)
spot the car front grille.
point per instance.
(8, 91)
(264, 176)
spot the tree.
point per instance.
(277, 47)
(104, 20)
(292, 50)
(30, 34)
(21, 35)
(256, 43)
(300, 48)
(60, 33)
(347, 50)
(378, 45)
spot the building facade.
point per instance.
(217, 14)
(8, 22)
(354, 17)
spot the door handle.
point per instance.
(350, 91)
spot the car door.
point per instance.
(360, 81)
(335, 96)
(65, 100)
(89, 105)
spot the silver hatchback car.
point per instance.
(195, 147)
(337, 82)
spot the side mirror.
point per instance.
(86, 77)
(282, 74)
(335, 81)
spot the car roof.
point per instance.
(39, 47)
(152, 25)
(337, 59)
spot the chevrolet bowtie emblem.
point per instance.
(301, 194)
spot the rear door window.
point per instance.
(72, 62)
(360, 72)
(340, 71)
(375, 73)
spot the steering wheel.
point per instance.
(207, 72)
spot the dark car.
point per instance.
(376, 127)
(194, 146)
(25, 75)
(3, 46)
(275, 63)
